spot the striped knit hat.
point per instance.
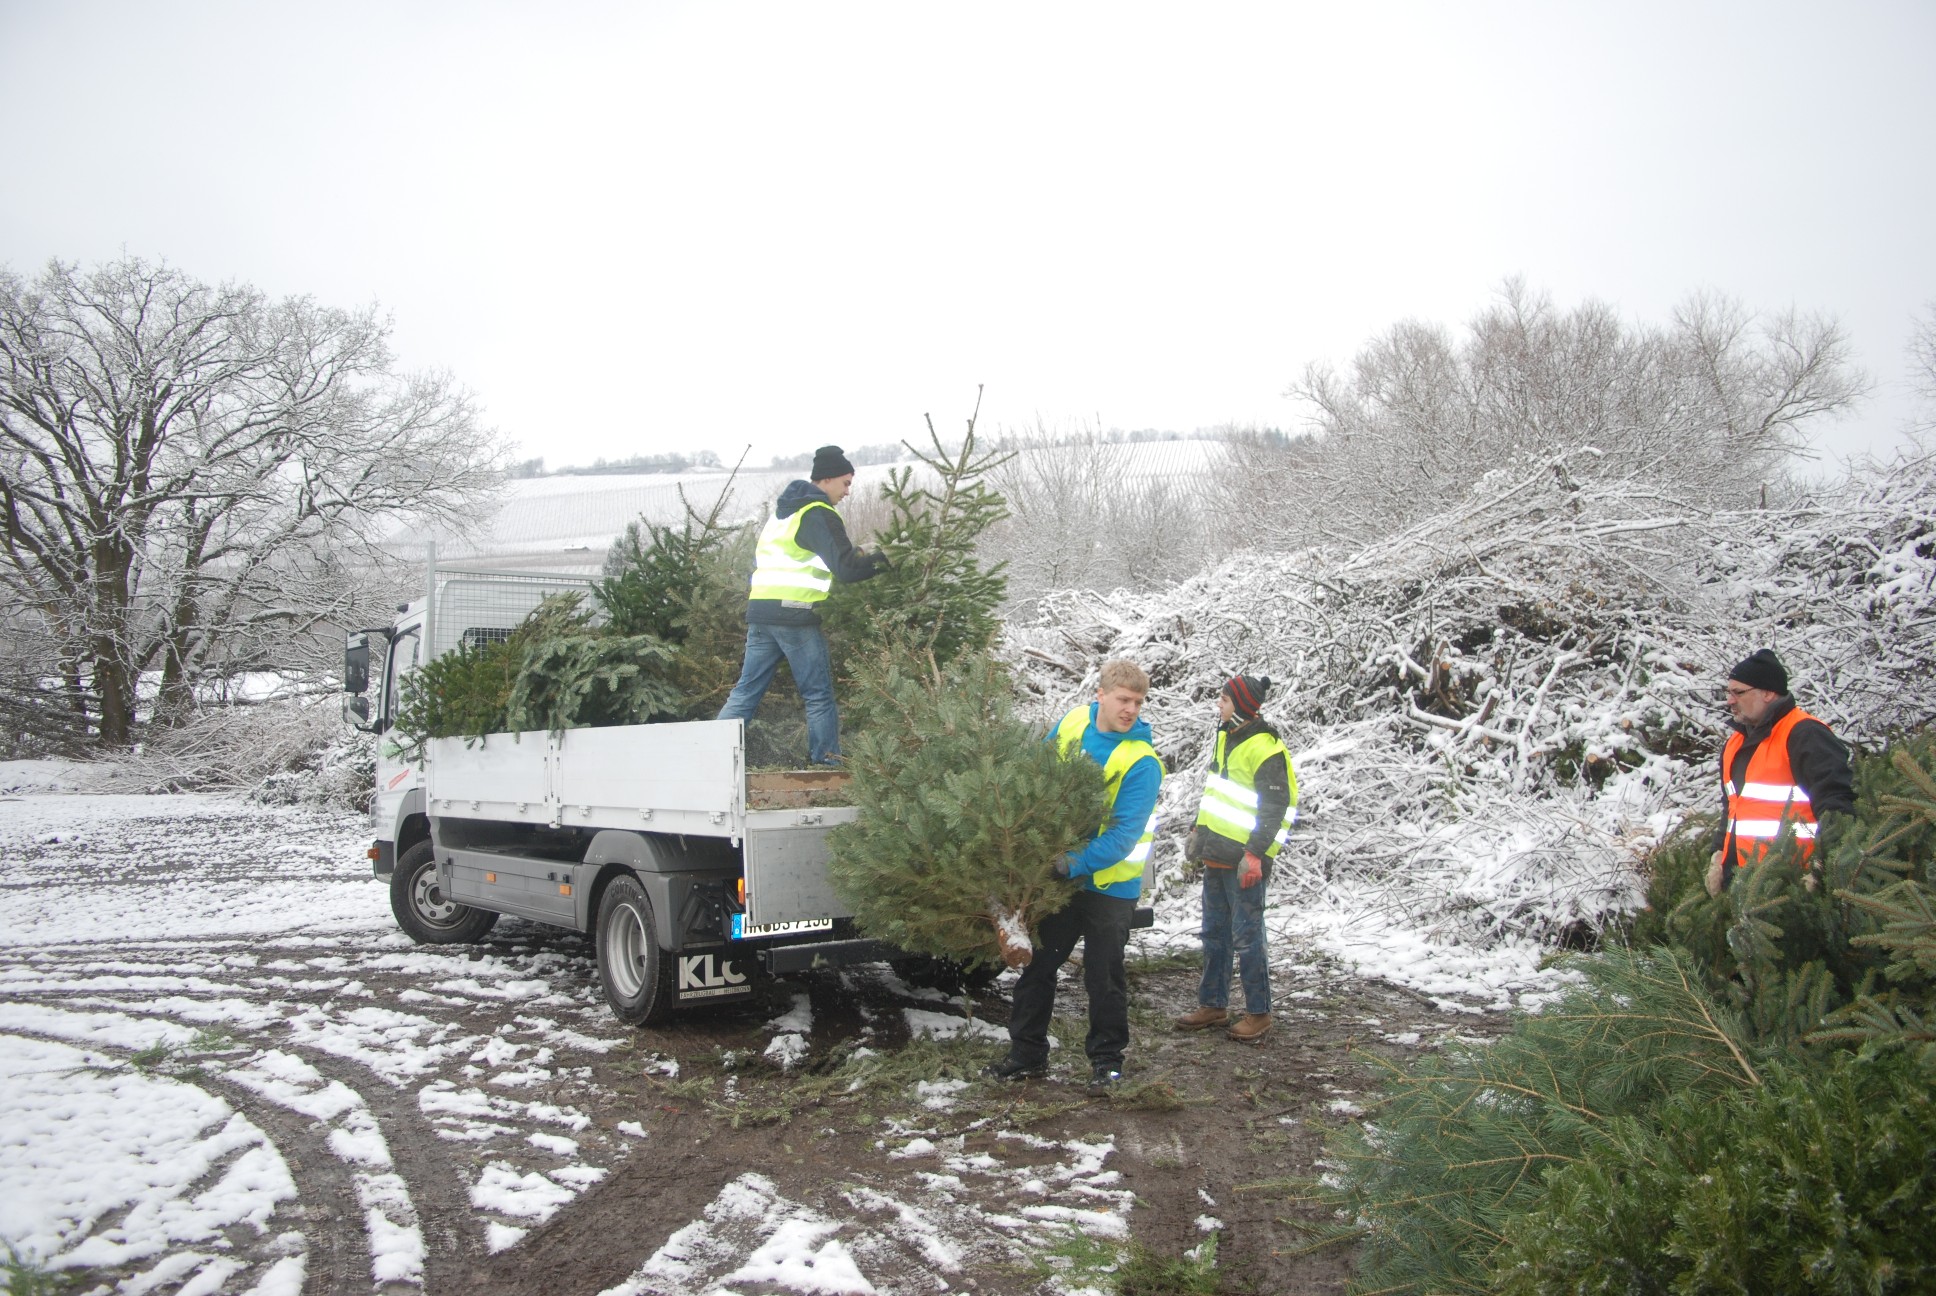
(1247, 694)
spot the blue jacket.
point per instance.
(1135, 803)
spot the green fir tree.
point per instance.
(936, 601)
(1463, 1142)
(1739, 1101)
(1820, 1179)
(559, 669)
(685, 585)
(461, 694)
(963, 812)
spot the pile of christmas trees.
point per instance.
(660, 632)
(1741, 1098)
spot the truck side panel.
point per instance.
(667, 778)
(679, 778)
(506, 777)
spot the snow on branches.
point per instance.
(1494, 712)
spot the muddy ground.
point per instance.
(1205, 1128)
(540, 1148)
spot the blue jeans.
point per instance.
(805, 650)
(1227, 906)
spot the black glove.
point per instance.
(1061, 866)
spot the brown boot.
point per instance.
(1203, 1017)
(1250, 1028)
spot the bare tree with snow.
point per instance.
(1922, 364)
(1088, 511)
(1713, 405)
(192, 472)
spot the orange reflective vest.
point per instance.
(1767, 798)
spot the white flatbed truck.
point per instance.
(692, 873)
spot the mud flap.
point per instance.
(704, 975)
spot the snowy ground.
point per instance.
(217, 1048)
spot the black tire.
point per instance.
(422, 910)
(633, 972)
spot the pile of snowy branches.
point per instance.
(291, 749)
(1496, 712)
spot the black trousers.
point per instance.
(1101, 923)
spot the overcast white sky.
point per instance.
(641, 227)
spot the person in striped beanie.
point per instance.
(1243, 821)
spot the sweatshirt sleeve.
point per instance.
(1820, 761)
(1135, 803)
(822, 531)
(1273, 799)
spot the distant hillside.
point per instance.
(565, 523)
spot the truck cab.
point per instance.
(460, 606)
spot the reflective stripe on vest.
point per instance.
(782, 569)
(1229, 805)
(1768, 798)
(1068, 734)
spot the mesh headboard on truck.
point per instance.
(476, 607)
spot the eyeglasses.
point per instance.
(1738, 692)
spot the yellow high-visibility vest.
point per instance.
(1229, 805)
(783, 569)
(1068, 735)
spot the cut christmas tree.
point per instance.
(963, 812)
(936, 599)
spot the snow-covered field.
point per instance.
(215, 1043)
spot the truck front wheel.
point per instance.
(425, 913)
(634, 973)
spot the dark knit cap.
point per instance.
(1763, 670)
(1247, 694)
(829, 462)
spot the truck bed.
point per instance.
(673, 777)
(684, 780)
(798, 789)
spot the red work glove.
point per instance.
(1252, 872)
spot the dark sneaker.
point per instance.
(1010, 1069)
(1104, 1079)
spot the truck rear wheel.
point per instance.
(425, 913)
(634, 973)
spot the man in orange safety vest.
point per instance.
(1781, 768)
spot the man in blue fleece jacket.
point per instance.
(1111, 732)
(803, 550)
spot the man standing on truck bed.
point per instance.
(803, 550)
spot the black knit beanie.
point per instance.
(1763, 670)
(829, 462)
(1247, 694)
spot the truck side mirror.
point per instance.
(356, 668)
(358, 707)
